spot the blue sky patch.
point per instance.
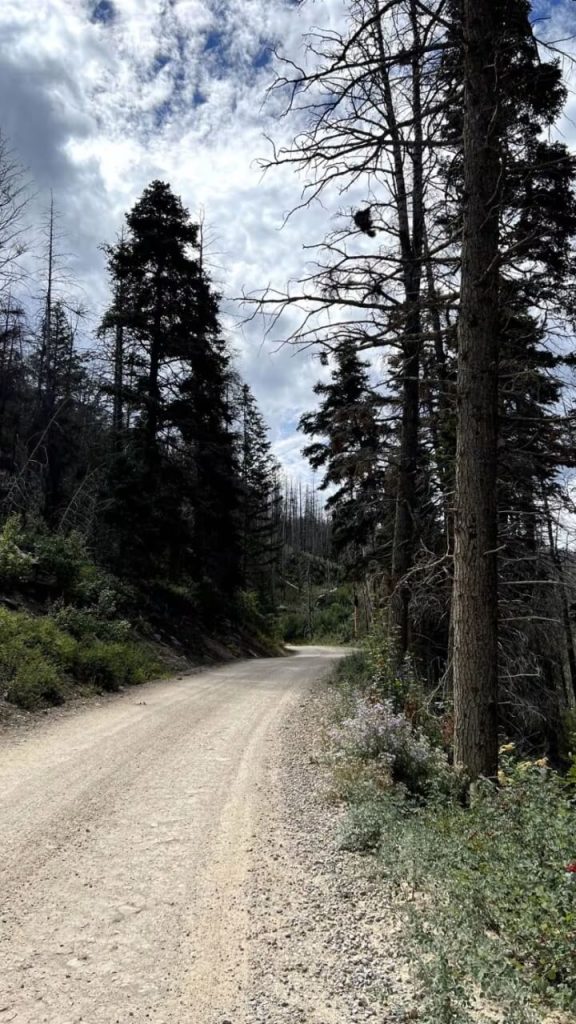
(263, 57)
(160, 62)
(103, 11)
(162, 113)
(214, 40)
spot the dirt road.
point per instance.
(129, 837)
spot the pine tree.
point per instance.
(535, 209)
(175, 470)
(56, 442)
(259, 501)
(350, 451)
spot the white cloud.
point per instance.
(173, 89)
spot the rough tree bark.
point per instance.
(411, 239)
(475, 612)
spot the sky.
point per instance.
(100, 97)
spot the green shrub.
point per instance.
(329, 619)
(503, 907)
(258, 625)
(110, 666)
(489, 908)
(249, 614)
(16, 565)
(36, 682)
(361, 830)
(493, 913)
(353, 672)
(23, 635)
(97, 589)
(41, 657)
(369, 671)
(294, 627)
(374, 731)
(60, 562)
(86, 624)
(60, 558)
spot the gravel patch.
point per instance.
(325, 940)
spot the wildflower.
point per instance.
(376, 731)
(570, 868)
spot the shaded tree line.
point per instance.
(146, 443)
(443, 302)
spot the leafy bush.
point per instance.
(369, 671)
(60, 563)
(86, 624)
(41, 660)
(16, 564)
(36, 682)
(503, 906)
(97, 589)
(487, 892)
(249, 613)
(375, 731)
(362, 828)
(294, 627)
(249, 617)
(24, 637)
(60, 558)
(110, 666)
(334, 623)
(329, 622)
(355, 670)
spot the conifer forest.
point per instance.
(147, 520)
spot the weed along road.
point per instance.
(129, 838)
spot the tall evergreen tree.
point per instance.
(57, 449)
(175, 470)
(475, 613)
(259, 502)
(349, 449)
(535, 211)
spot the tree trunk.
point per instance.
(411, 239)
(570, 676)
(403, 548)
(475, 615)
(153, 397)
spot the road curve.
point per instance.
(126, 839)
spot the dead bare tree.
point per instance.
(374, 104)
(15, 195)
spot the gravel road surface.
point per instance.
(145, 864)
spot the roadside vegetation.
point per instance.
(70, 628)
(141, 507)
(485, 880)
(65, 629)
(319, 615)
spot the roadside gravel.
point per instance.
(324, 941)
